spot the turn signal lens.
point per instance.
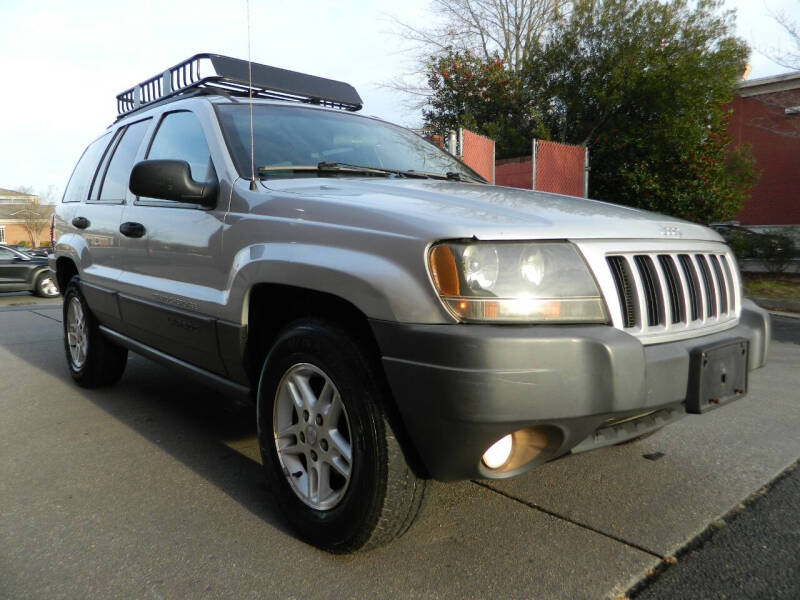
(444, 271)
(498, 453)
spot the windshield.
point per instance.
(298, 136)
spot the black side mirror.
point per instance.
(171, 180)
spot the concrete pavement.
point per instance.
(152, 489)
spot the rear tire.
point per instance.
(93, 360)
(332, 460)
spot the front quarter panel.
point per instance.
(288, 240)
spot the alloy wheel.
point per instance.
(77, 333)
(312, 436)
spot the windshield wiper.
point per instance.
(340, 167)
(350, 168)
(451, 175)
(458, 176)
(329, 167)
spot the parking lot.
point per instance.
(152, 489)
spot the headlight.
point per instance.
(515, 282)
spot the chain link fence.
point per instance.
(477, 152)
(552, 167)
(560, 168)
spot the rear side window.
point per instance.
(114, 186)
(78, 186)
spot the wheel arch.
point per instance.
(381, 287)
(65, 271)
(34, 274)
(271, 307)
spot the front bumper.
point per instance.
(459, 388)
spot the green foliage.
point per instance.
(483, 96)
(740, 243)
(23, 243)
(775, 250)
(642, 83)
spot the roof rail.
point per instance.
(230, 76)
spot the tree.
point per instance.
(483, 30)
(486, 29)
(35, 218)
(789, 58)
(643, 84)
(483, 96)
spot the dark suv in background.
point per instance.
(23, 272)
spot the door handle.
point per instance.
(81, 222)
(134, 230)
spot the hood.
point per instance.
(449, 209)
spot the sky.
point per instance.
(62, 62)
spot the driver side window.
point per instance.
(180, 137)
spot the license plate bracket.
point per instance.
(717, 375)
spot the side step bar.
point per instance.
(210, 379)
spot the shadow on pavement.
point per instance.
(192, 423)
(197, 426)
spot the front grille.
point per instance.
(664, 292)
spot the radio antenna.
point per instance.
(253, 185)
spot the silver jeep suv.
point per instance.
(393, 317)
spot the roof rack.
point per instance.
(230, 76)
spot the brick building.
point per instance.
(13, 207)
(766, 114)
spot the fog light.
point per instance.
(498, 453)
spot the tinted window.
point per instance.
(180, 137)
(115, 181)
(6, 254)
(78, 186)
(94, 192)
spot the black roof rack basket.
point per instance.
(230, 76)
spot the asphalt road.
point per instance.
(152, 489)
(754, 556)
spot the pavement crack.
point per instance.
(46, 316)
(535, 506)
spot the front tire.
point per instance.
(331, 457)
(45, 285)
(93, 360)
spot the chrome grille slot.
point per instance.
(622, 279)
(652, 294)
(711, 296)
(671, 294)
(722, 286)
(729, 278)
(676, 300)
(693, 284)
